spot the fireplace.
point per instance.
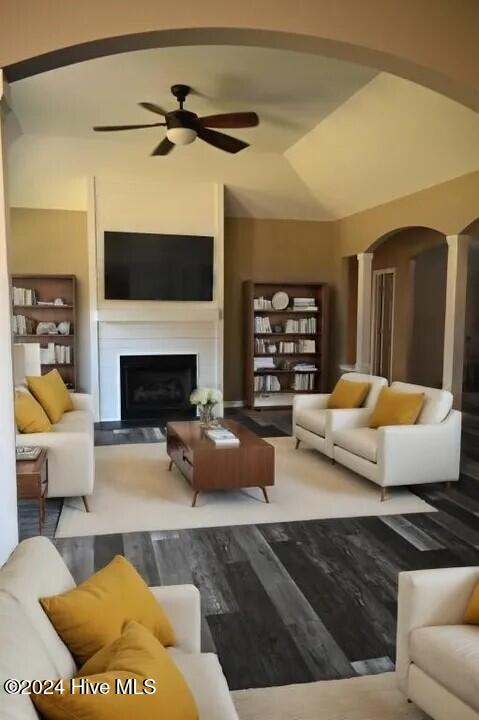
(154, 384)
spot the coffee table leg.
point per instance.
(266, 498)
(170, 466)
(193, 504)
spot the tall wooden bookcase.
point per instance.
(284, 362)
(47, 288)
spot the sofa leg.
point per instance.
(85, 502)
(384, 494)
(297, 443)
(448, 485)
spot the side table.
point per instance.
(32, 482)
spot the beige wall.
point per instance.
(270, 251)
(55, 241)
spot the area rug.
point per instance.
(373, 697)
(134, 491)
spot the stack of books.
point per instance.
(302, 304)
(222, 437)
(261, 363)
(56, 355)
(303, 325)
(303, 381)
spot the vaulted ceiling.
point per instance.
(334, 138)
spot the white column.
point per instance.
(8, 484)
(455, 319)
(363, 332)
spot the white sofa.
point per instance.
(314, 424)
(437, 661)
(426, 452)
(70, 444)
(31, 649)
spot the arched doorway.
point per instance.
(409, 271)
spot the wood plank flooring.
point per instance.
(294, 602)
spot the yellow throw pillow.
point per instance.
(52, 394)
(94, 613)
(471, 616)
(396, 408)
(348, 394)
(29, 414)
(133, 658)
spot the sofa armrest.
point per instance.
(182, 605)
(82, 401)
(427, 598)
(414, 454)
(347, 419)
(318, 401)
(71, 461)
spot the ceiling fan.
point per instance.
(184, 126)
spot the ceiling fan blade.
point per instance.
(164, 147)
(113, 128)
(231, 120)
(221, 141)
(152, 107)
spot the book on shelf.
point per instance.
(261, 303)
(305, 367)
(262, 325)
(23, 296)
(56, 355)
(222, 437)
(266, 383)
(22, 325)
(263, 363)
(304, 381)
(302, 325)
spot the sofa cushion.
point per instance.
(359, 441)
(450, 655)
(30, 417)
(206, 681)
(396, 408)
(437, 403)
(52, 394)
(93, 614)
(74, 421)
(136, 656)
(471, 616)
(35, 568)
(312, 420)
(23, 655)
(348, 394)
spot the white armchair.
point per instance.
(313, 423)
(437, 661)
(426, 452)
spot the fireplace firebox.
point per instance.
(154, 384)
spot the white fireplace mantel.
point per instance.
(179, 312)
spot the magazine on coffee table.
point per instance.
(222, 437)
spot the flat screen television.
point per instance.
(148, 266)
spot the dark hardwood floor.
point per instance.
(292, 602)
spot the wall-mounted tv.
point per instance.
(148, 266)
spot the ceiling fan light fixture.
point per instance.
(181, 135)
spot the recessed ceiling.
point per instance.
(291, 92)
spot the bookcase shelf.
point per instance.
(46, 289)
(319, 293)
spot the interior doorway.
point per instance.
(384, 282)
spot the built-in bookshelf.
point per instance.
(285, 350)
(33, 302)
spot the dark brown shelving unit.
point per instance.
(283, 397)
(47, 288)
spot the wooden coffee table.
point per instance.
(208, 467)
(32, 482)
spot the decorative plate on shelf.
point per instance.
(280, 300)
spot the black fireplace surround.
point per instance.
(152, 385)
